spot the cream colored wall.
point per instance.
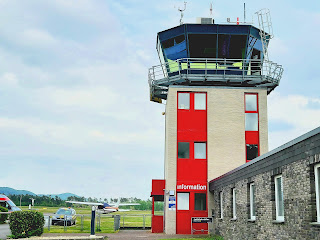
(225, 139)
(170, 158)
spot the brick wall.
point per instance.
(295, 162)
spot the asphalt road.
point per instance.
(4, 231)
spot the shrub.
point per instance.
(26, 224)
(3, 217)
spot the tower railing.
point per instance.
(213, 71)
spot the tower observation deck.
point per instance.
(212, 55)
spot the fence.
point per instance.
(104, 223)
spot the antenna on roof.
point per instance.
(181, 12)
(244, 12)
(210, 9)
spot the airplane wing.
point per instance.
(86, 203)
(124, 210)
(129, 204)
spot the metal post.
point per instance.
(49, 223)
(65, 222)
(81, 222)
(93, 216)
(144, 221)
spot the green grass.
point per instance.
(131, 219)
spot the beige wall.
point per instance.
(226, 135)
(170, 171)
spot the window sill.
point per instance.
(233, 219)
(251, 220)
(278, 221)
(317, 224)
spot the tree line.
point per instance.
(43, 200)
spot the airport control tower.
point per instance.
(215, 79)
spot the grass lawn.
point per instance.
(129, 219)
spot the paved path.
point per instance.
(128, 235)
(4, 231)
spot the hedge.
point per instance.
(26, 224)
(3, 217)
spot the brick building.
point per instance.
(275, 196)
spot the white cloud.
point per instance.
(295, 112)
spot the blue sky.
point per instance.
(75, 114)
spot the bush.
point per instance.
(3, 217)
(26, 224)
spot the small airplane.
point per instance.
(106, 208)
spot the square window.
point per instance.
(251, 102)
(251, 122)
(183, 201)
(200, 201)
(252, 151)
(183, 100)
(183, 150)
(200, 101)
(200, 151)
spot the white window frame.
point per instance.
(221, 204)
(234, 203)
(316, 169)
(252, 202)
(278, 218)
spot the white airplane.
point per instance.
(106, 208)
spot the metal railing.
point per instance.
(214, 69)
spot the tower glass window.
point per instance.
(200, 150)
(251, 122)
(279, 198)
(200, 101)
(182, 201)
(200, 201)
(183, 100)
(251, 102)
(183, 150)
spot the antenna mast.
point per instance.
(181, 12)
(210, 9)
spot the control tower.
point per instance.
(215, 79)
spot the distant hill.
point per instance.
(63, 196)
(11, 191)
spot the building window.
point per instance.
(183, 150)
(251, 122)
(252, 151)
(182, 201)
(252, 202)
(279, 198)
(221, 204)
(183, 100)
(317, 183)
(200, 150)
(234, 203)
(200, 201)
(200, 101)
(251, 102)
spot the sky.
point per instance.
(75, 114)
